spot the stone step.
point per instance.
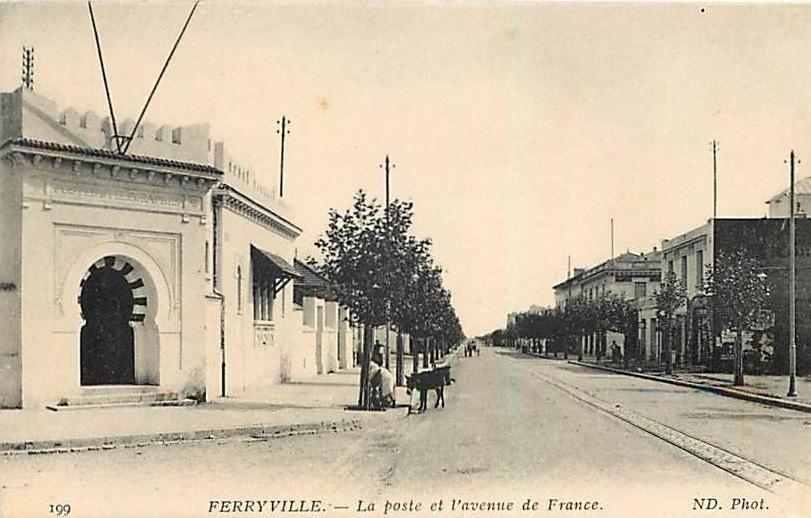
(97, 390)
(167, 402)
(118, 396)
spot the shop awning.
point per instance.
(282, 271)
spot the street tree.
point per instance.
(737, 288)
(671, 295)
(620, 317)
(353, 262)
(576, 321)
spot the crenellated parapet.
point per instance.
(27, 114)
(244, 179)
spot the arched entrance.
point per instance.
(111, 298)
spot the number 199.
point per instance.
(59, 509)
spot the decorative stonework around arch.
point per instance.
(123, 345)
(157, 285)
(134, 279)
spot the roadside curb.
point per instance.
(139, 440)
(721, 391)
(547, 356)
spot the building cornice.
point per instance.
(72, 166)
(245, 206)
(24, 147)
(686, 242)
(603, 269)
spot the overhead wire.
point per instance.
(160, 76)
(115, 135)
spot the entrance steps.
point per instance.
(108, 396)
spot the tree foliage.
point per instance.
(738, 291)
(579, 317)
(671, 295)
(383, 274)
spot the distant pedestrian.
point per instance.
(378, 355)
(616, 355)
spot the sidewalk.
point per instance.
(311, 406)
(772, 386)
(767, 390)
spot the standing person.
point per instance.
(378, 356)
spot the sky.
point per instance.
(517, 129)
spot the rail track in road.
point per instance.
(749, 470)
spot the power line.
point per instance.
(115, 137)
(160, 76)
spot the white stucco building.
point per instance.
(162, 273)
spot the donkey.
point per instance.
(424, 381)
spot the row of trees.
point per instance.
(563, 327)
(736, 287)
(385, 276)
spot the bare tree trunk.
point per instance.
(368, 340)
(668, 341)
(600, 337)
(415, 354)
(400, 370)
(738, 378)
(628, 342)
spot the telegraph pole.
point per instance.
(792, 312)
(28, 67)
(387, 166)
(612, 239)
(283, 130)
(714, 180)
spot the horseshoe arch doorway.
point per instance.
(113, 301)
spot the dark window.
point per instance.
(263, 293)
(684, 269)
(239, 289)
(700, 268)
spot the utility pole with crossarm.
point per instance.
(28, 67)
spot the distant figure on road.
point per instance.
(616, 354)
(377, 357)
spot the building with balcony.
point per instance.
(632, 276)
